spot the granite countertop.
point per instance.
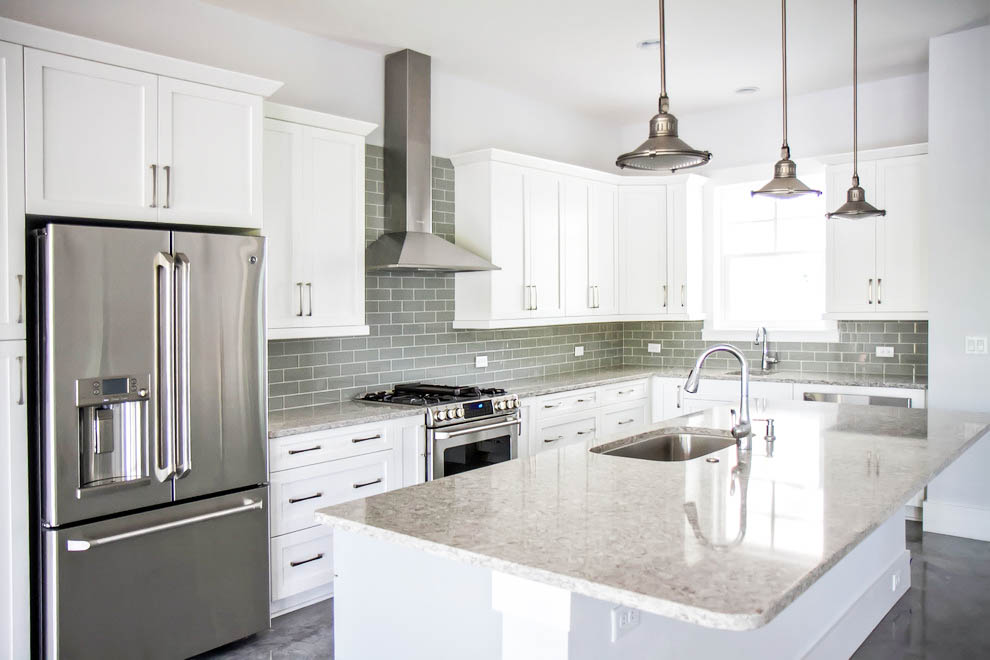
(334, 415)
(669, 538)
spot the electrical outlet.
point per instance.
(578, 351)
(653, 348)
(885, 351)
(976, 345)
(624, 619)
(480, 361)
(895, 581)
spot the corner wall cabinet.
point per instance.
(573, 244)
(314, 221)
(13, 295)
(878, 267)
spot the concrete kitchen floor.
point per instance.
(941, 616)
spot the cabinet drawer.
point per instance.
(624, 420)
(621, 392)
(301, 561)
(297, 493)
(563, 432)
(569, 402)
(310, 448)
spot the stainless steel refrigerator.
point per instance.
(153, 469)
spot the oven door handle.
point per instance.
(446, 435)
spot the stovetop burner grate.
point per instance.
(421, 394)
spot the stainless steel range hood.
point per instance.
(409, 243)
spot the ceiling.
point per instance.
(583, 53)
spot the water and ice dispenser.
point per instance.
(113, 429)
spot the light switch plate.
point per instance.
(976, 345)
(653, 348)
(885, 351)
(480, 361)
(578, 351)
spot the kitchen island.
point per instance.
(793, 549)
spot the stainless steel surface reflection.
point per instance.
(670, 447)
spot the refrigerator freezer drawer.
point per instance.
(167, 583)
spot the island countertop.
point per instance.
(726, 544)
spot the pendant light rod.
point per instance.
(856, 92)
(663, 58)
(783, 57)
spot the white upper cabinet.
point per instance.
(645, 289)
(209, 155)
(113, 142)
(878, 267)
(91, 138)
(12, 239)
(574, 245)
(314, 221)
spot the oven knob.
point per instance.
(500, 405)
(441, 414)
(510, 404)
(460, 412)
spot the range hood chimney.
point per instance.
(408, 242)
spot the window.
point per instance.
(769, 260)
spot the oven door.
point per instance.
(472, 445)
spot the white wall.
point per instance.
(892, 112)
(959, 268)
(328, 76)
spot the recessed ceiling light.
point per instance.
(647, 44)
(749, 89)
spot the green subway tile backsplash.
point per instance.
(412, 338)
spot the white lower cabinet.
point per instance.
(15, 608)
(562, 430)
(624, 418)
(315, 470)
(674, 401)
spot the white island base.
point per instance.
(395, 600)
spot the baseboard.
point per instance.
(299, 601)
(969, 522)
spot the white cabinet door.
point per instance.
(902, 235)
(332, 243)
(604, 248)
(90, 138)
(282, 204)
(579, 253)
(12, 238)
(209, 152)
(851, 245)
(544, 242)
(685, 216)
(510, 292)
(14, 589)
(643, 250)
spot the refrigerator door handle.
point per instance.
(80, 545)
(163, 406)
(183, 444)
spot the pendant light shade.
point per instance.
(663, 150)
(785, 183)
(856, 206)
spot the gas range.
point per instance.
(449, 404)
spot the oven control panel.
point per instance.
(473, 409)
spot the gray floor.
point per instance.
(942, 616)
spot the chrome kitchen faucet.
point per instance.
(741, 428)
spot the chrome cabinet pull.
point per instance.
(548, 440)
(869, 290)
(299, 286)
(447, 435)
(591, 296)
(79, 545)
(20, 379)
(586, 432)
(678, 396)
(309, 289)
(665, 296)
(526, 305)
(293, 500)
(369, 483)
(183, 443)
(550, 406)
(154, 185)
(625, 392)
(293, 452)
(293, 564)
(20, 299)
(628, 421)
(683, 295)
(879, 284)
(168, 185)
(376, 436)
(164, 404)
(536, 297)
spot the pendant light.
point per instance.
(785, 183)
(663, 150)
(856, 206)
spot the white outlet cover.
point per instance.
(624, 619)
(976, 345)
(653, 348)
(885, 351)
(578, 351)
(480, 361)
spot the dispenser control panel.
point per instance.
(101, 390)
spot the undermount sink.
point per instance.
(669, 446)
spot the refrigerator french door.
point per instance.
(153, 451)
